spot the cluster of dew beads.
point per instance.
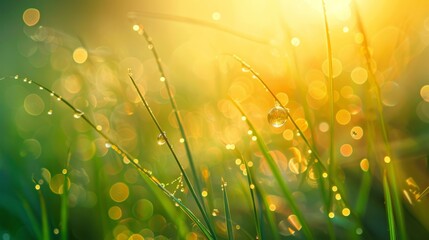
(277, 116)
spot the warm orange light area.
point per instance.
(31, 16)
(364, 165)
(343, 117)
(346, 150)
(119, 192)
(356, 132)
(80, 55)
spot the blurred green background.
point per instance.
(39, 137)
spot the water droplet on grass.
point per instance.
(277, 116)
(78, 114)
(161, 139)
(50, 112)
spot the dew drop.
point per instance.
(41, 88)
(78, 114)
(277, 116)
(161, 139)
(50, 112)
(245, 68)
(215, 212)
(59, 98)
(108, 145)
(16, 77)
(25, 80)
(150, 46)
(162, 79)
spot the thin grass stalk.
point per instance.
(318, 163)
(170, 147)
(228, 218)
(278, 176)
(332, 161)
(391, 175)
(175, 111)
(251, 187)
(64, 205)
(389, 208)
(263, 205)
(44, 217)
(32, 218)
(170, 210)
(122, 152)
(198, 22)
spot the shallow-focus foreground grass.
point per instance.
(214, 120)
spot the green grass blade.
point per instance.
(228, 218)
(263, 204)
(171, 211)
(278, 177)
(123, 153)
(44, 217)
(64, 201)
(250, 183)
(390, 170)
(182, 170)
(332, 161)
(389, 208)
(176, 113)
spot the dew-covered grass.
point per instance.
(226, 120)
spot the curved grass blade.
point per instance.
(390, 170)
(170, 147)
(228, 218)
(278, 176)
(176, 112)
(207, 24)
(123, 153)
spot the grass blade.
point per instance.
(64, 201)
(123, 153)
(389, 208)
(44, 216)
(278, 176)
(228, 218)
(182, 170)
(332, 160)
(251, 187)
(176, 112)
(390, 169)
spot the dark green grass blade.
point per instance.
(228, 218)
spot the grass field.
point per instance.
(214, 119)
